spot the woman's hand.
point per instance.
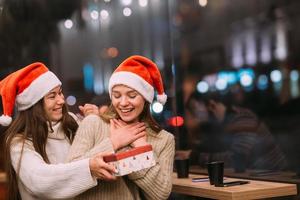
(100, 169)
(142, 141)
(89, 109)
(122, 134)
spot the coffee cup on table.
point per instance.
(182, 163)
(216, 173)
(182, 167)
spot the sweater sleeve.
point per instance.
(156, 182)
(89, 140)
(50, 181)
(241, 148)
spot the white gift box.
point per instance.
(131, 160)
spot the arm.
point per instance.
(49, 181)
(89, 140)
(156, 182)
(88, 109)
(92, 137)
(243, 143)
(241, 147)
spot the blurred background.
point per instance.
(248, 49)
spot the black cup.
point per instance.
(216, 173)
(182, 168)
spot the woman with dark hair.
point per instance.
(38, 139)
(131, 89)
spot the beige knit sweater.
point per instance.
(152, 183)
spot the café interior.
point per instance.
(243, 53)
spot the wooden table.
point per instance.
(253, 190)
(280, 176)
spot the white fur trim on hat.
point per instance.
(133, 81)
(37, 90)
(5, 120)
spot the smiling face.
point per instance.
(128, 103)
(53, 104)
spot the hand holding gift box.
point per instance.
(133, 160)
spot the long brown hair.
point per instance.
(33, 125)
(145, 116)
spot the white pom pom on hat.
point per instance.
(24, 88)
(5, 120)
(162, 98)
(140, 74)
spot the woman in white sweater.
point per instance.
(131, 89)
(39, 138)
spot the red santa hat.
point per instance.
(24, 88)
(140, 74)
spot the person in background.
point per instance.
(38, 139)
(131, 89)
(98, 105)
(102, 101)
(234, 134)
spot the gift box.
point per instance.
(132, 160)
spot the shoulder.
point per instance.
(242, 119)
(89, 118)
(162, 141)
(93, 121)
(74, 116)
(169, 137)
(165, 133)
(18, 142)
(244, 112)
(239, 114)
(161, 135)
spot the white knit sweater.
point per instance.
(39, 180)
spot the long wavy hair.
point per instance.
(145, 116)
(32, 125)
